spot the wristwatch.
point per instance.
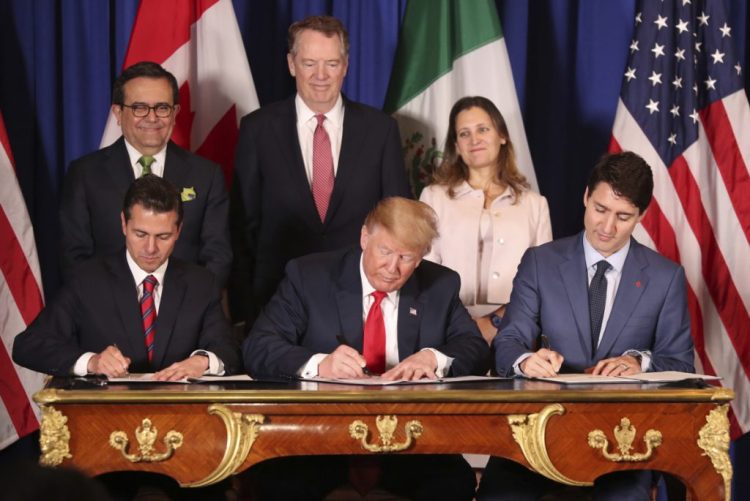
(495, 320)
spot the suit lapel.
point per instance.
(410, 307)
(354, 134)
(125, 295)
(172, 293)
(633, 282)
(119, 168)
(574, 279)
(176, 170)
(349, 301)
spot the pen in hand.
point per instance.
(544, 342)
(343, 341)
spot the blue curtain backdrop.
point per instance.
(58, 59)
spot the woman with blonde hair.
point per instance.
(487, 214)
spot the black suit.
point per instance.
(92, 199)
(320, 300)
(99, 307)
(275, 218)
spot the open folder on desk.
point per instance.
(644, 377)
(379, 381)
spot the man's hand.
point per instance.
(543, 363)
(194, 366)
(343, 363)
(617, 366)
(111, 363)
(421, 365)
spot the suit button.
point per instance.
(495, 274)
(501, 241)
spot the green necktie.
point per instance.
(146, 161)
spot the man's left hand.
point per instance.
(194, 366)
(617, 366)
(421, 365)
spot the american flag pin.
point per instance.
(637, 283)
(413, 311)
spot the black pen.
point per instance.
(343, 341)
(545, 342)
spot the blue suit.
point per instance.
(550, 297)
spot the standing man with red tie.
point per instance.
(138, 310)
(308, 169)
(381, 307)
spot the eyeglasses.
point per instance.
(161, 110)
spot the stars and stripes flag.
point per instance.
(199, 42)
(20, 301)
(683, 108)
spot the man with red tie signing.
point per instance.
(382, 307)
(138, 310)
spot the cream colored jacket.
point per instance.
(516, 227)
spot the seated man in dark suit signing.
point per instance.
(145, 101)
(604, 302)
(137, 310)
(382, 307)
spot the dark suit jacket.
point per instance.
(92, 197)
(275, 219)
(99, 307)
(550, 296)
(320, 299)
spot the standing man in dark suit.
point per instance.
(382, 307)
(308, 169)
(603, 301)
(138, 310)
(145, 101)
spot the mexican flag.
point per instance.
(449, 49)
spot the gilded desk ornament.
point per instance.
(529, 432)
(54, 437)
(625, 435)
(242, 431)
(386, 427)
(713, 438)
(146, 435)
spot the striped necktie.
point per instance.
(146, 161)
(148, 314)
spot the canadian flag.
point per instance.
(199, 42)
(20, 302)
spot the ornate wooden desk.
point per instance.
(200, 434)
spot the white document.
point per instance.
(149, 378)
(379, 381)
(644, 377)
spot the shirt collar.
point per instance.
(617, 260)
(305, 115)
(139, 274)
(135, 155)
(465, 188)
(367, 288)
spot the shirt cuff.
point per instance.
(215, 365)
(310, 369)
(81, 367)
(444, 362)
(645, 357)
(517, 365)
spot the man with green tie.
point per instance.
(145, 102)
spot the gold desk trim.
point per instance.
(54, 437)
(145, 435)
(242, 431)
(529, 432)
(386, 425)
(713, 439)
(625, 435)
(365, 395)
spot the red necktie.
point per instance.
(374, 342)
(322, 179)
(148, 313)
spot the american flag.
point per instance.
(683, 108)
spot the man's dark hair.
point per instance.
(629, 176)
(146, 69)
(153, 193)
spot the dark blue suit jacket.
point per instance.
(92, 197)
(320, 299)
(550, 296)
(99, 307)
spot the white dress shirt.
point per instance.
(306, 124)
(157, 168)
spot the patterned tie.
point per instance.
(148, 313)
(322, 182)
(597, 299)
(374, 343)
(146, 161)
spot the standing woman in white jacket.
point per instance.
(487, 215)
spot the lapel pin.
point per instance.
(637, 283)
(413, 311)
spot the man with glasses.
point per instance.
(145, 101)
